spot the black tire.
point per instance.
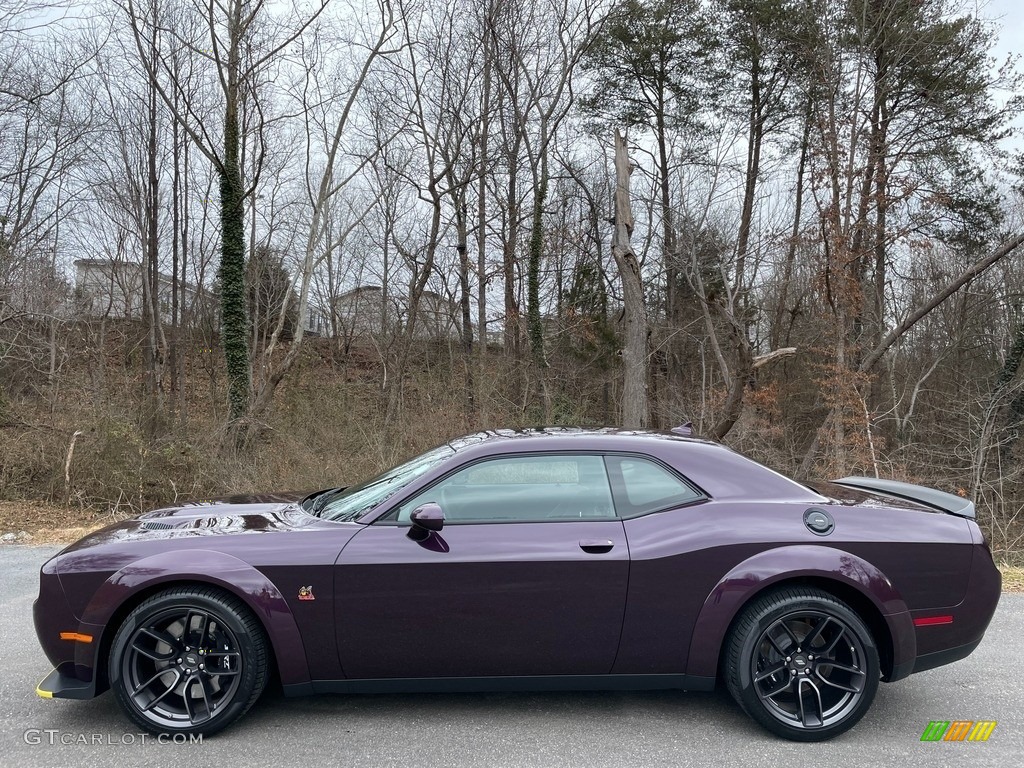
(798, 691)
(199, 682)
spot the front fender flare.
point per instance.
(205, 567)
(772, 566)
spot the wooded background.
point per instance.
(794, 223)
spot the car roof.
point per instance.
(560, 439)
(717, 469)
(543, 437)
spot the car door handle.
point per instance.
(596, 546)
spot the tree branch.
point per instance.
(952, 287)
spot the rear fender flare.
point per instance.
(761, 571)
(215, 569)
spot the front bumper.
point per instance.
(58, 685)
(52, 615)
(61, 636)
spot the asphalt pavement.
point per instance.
(617, 730)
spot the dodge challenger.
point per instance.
(544, 559)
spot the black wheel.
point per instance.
(802, 663)
(189, 660)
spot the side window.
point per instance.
(642, 486)
(522, 489)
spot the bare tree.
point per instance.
(242, 40)
(635, 409)
(323, 184)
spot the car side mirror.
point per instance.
(426, 518)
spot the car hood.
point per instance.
(278, 497)
(223, 517)
(201, 518)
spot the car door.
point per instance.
(527, 577)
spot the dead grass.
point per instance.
(48, 523)
(1013, 578)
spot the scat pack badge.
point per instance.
(306, 593)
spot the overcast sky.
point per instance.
(1010, 14)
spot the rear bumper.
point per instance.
(948, 656)
(941, 644)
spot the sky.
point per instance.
(1010, 14)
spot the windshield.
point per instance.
(355, 501)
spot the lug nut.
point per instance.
(788, 658)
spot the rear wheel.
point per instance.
(802, 663)
(189, 660)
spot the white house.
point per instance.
(108, 288)
(363, 311)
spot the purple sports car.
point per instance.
(549, 559)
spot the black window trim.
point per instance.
(384, 519)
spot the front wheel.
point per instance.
(802, 663)
(189, 660)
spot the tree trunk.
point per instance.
(668, 233)
(186, 311)
(176, 281)
(535, 322)
(481, 216)
(754, 140)
(234, 320)
(787, 271)
(151, 273)
(635, 410)
(509, 256)
(461, 216)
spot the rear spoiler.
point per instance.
(947, 502)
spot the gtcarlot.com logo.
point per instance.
(958, 730)
(52, 737)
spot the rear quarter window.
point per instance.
(642, 486)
